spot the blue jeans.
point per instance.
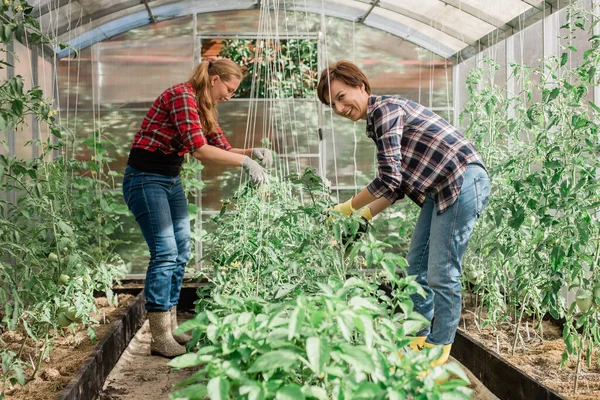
(159, 206)
(436, 251)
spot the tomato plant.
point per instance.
(54, 245)
(542, 229)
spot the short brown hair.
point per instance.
(343, 71)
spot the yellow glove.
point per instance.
(345, 208)
(366, 213)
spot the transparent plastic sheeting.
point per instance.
(443, 26)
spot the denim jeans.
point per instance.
(159, 206)
(436, 251)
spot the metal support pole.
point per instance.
(199, 224)
(10, 73)
(320, 108)
(35, 126)
(456, 93)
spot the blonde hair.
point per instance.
(200, 81)
(343, 71)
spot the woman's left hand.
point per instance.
(264, 155)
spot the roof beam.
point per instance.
(536, 4)
(149, 11)
(430, 22)
(518, 23)
(474, 12)
(49, 6)
(365, 15)
(123, 5)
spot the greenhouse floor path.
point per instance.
(140, 376)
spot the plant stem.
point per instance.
(39, 361)
(578, 368)
(519, 325)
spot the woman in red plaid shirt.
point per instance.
(183, 119)
(422, 156)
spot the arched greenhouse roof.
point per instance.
(450, 28)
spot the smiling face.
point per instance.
(348, 101)
(222, 90)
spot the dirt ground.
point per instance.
(140, 376)
(69, 352)
(534, 356)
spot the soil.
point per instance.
(69, 352)
(138, 375)
(537, 358)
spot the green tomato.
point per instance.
(62, 320)
(63, 279)
(597, 292)
(71, 314)
(64, 244)
(474, 276)
(584, 300)
(52, 257)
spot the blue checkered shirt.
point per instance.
(418, 152)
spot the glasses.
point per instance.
(230, 90)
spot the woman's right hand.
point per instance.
(254, 170)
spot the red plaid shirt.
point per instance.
(173, 125)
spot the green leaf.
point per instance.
(185, 361)
(17, 107)
(358, 357)
(594, 106)
(65, 228)
(346, 333)
(218, 388)
(194, 392)
(296, 320)
(317, 352)
(369, 332)
(356, 282)
(412, 326)
(553, 94)
(290, 392)
(317, 317)
(393, 395)
(197, 322)
(452, 384)
(212, 332)
(458, 371)
(359, 303)
(334, 371)
(19, 374)
(368, 390)
(273, 360)
(315, 391)
(253, 391)
(563, 59)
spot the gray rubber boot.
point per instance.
(163, 343)
(182, 338)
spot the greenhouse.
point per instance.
(299, 199)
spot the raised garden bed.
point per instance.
(68, 353)
(500, 376)
(88, 380)
(533, 371)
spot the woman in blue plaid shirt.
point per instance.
(424, 157)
